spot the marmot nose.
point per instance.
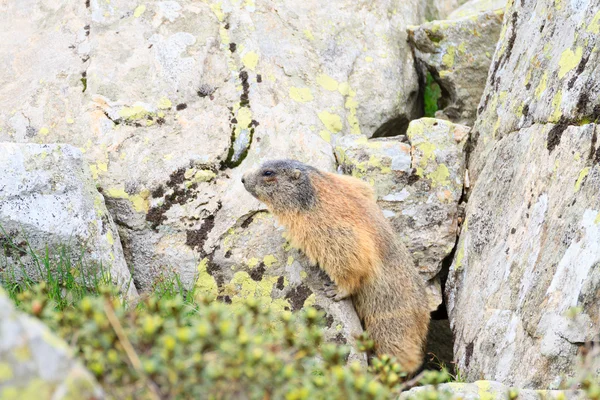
(243, 180)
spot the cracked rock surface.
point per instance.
(171, 101)
(525, 280)
(458, 54)
(49, 205)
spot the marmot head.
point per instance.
(283, 185)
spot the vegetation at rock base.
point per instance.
(432, 94)
(177, 344)
(172, 348)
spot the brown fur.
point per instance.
(347, 235)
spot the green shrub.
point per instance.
(172, 349)
(432, 94)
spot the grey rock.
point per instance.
(37, 364)
(49, 205)
(530, 243)
(474, 7)
(491, 390)
(458, 54)
(170, 101)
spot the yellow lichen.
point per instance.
(582, 174)
(139, 10)
(556, 102)
(440, 176)
(448, 58)
(542, 85)
(569, 60)
(594, 26)
(164, 104)
(301, 95)
(325, 135)
(308, 34)
(269, 260)
(597, 220)
(332, 122)
(327, 82)
(250, 60)
(110, 238)
(310, 301)
(205, 283)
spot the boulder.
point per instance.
(440, 9)
(170, 101)
(35, 364)
(475, 7)
(523, 288)
(418, 181)
(49, 206)
(458, 54)
(491, 390)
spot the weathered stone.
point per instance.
(544, 71)
(418, 185)
(440, 9)
(530, 243)
(50, 206)
(474, 7)
(493, 391)
(458, 55)
(167, 99)
(35, 364)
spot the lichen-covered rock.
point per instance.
(493, 391)
(458, 54)
(530, 243)
(418, 186)
(440, 9)
(49, 205)
(474, 7)
(544, 71)
(167, 98)
(35, 364)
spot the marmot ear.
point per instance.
(296, 174)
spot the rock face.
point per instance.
(530, 244)
(167, 98)
(492, 390)
(458, 54)
(35, 364)
(48, 202)
(418, 185)
(474, 7)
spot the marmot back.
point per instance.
(335, 220)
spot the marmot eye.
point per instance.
(268, 173)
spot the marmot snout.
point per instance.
(335, 220)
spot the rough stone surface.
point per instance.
(48, 202)
(530, 243)
(418, 183)
(475, 7)
(440, 9)
(493, 391)
(545, 70)
(458, 54)
(167, 98)
(35, 364)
